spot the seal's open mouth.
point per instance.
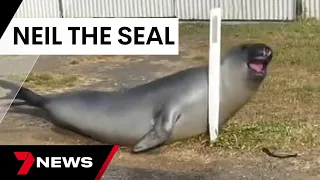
(259, 60)
(258, 66)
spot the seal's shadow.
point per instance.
(28, 111)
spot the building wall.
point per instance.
(238, 10)
(38, 9)
(118, 8)
(310, 8)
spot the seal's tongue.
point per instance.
(256, 67)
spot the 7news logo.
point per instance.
(50, 162)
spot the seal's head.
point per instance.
(259, 56)
(249, 61)
(243, 69)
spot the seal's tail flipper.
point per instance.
(161, 131)
(30, 97)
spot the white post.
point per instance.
(214, 72)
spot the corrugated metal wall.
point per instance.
(38, 9)
(118, 8)
(91, 8)
(184, 9)
(237, 9)
(310, 8)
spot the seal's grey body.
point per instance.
(171, 108)
(124, 117)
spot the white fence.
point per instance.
(238, 10)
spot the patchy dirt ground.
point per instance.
(114, 72)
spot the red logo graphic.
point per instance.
(28, 159)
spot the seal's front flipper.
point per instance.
(161, 131)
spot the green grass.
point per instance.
(48, 81)
(285, 112)
(276, 133)
(294, 43)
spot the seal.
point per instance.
(159, 112)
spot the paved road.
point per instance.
(227, 173)
(122, 173)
